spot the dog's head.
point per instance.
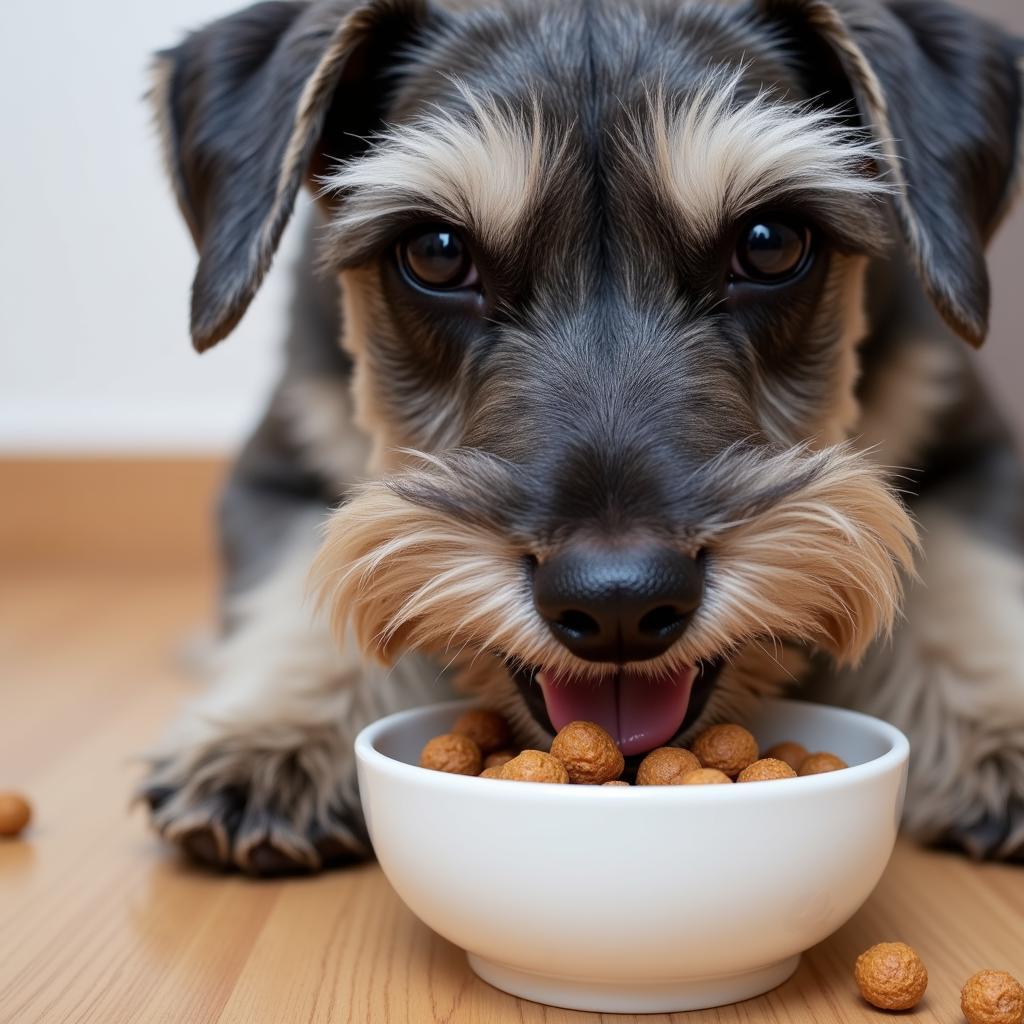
(603, 267)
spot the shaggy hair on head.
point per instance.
(812, 550)
(485, 169)
(717, 156)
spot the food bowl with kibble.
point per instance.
(639, 899)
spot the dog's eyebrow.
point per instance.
(484, 169)
(716, 157)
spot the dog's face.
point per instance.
(603, 269)
(590, 257)
(607, 274)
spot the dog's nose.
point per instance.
(618, 604)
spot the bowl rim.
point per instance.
(369, 756)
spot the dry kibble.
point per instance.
(729, 748)
(765, 770)
(534, 766)
(457, 755)
(666, 766)
(706, 777)
(487, 729)
(498, 758)
(891, 976)
(15, 813)
(585, 754)
(816, 764)
(993, 997)
(589, 754)
(792, 753)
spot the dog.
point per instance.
(625, 381)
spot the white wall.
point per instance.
(94, 259)
(95, 263)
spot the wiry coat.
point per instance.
(606, 379)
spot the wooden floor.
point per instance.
(101, 925)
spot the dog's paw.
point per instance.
(991, 837)
(268, 804)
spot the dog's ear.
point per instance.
(941, 91)
(253, 105)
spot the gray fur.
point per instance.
(612, 366)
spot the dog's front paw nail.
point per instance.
(992, 836)
(1012, 847)
(269, 845)
(206, 845)
(335, 844)
(266, 860)
(205, 830)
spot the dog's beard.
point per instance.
(802, 547)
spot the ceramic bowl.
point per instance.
(647, 899)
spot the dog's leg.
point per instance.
(258, 773)
(953, 679)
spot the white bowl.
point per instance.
(640, 900)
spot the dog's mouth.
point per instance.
(640, 712)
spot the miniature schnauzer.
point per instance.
(622, 384)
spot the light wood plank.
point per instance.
(101, 925)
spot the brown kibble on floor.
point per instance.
(706, 777)
(993, 997)
(817, 764)
(457, 755)
(666, 766)
(729, 748)
(15, 814)
(589, 754)
(891, 976)
(615, 782)
(792, 753)
(498, 758)
(766, 769)
(494, 772)
(535, 766)
(487, 729)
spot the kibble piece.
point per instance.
(589, 754)
(487, 729)
(498, 758)
(534, 766)
(457, 755)
(765, 770)
(729, 748)
(706, 777)
(15, 813)
(494, 772)
(891, 976)
(792, 753)
(666, 766)
(816, 764)
(615, 782)
(993, 997)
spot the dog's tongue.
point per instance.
(639, 713)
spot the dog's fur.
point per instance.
(599, 154)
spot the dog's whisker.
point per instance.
(846, 565)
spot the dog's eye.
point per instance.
(771, 251)
(438, 259)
